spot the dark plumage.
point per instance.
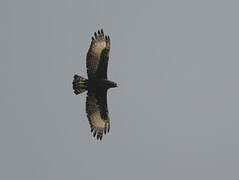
(97, 84)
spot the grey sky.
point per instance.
(174, 115)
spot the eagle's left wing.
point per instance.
(97, 112)
(98, 56)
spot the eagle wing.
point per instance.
(97, 112)
(98, 56)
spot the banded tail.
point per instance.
(79, 84)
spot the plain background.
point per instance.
(174, 115)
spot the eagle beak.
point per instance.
(111, 84)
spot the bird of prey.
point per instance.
(97, 84)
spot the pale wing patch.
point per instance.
(98, 125)
(97, 48)
(96, 121)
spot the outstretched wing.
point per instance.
(97, 113)
(98, 56)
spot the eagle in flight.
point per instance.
(97, 84)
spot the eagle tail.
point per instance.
(79, 84)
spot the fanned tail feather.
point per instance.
(79, 84)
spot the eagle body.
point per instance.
(97, 84)
(100, 84)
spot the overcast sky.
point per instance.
(175, 114)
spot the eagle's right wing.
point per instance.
(97, 113)
(98, 56)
